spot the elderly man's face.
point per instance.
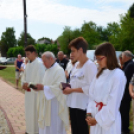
(60, 56)
(46, 61)
(124, 58)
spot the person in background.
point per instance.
(61, 60)
(18, 62)
(120, 60)
(131, 92)
(65, 56)
(81, 77)
(128, 68)
(69, 67)
(23, 66)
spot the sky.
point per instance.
(47, 18)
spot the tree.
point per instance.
(126, 36)
(131, 10)
(76, 33)
(90, 34)
(50, 40)
(103, 33)
(7, 40)
(53, 48)
(30, 40)
(65, 39)
(114, 29)
(122, 36)
(41, 48)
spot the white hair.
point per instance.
(128, 54)
(48, 54)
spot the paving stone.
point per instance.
(13, 102)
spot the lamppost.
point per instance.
(25, 23)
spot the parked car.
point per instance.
(91, 56)
(11, 60)
(2, 59)
(8, 61)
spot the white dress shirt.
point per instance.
(81, 78)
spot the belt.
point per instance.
(99, 105)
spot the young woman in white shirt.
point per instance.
(81, 77)
(105, 92)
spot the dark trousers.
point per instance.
(124, 110)
(78, 123)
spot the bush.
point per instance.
(41, 48)
(14, 51)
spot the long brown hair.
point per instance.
(107, 50)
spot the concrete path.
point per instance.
(12, 103)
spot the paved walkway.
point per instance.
(12, 103)
(4, 126)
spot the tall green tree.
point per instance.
(131, 10)
(114, 30)
(103, 33)
(126, 36)
(30, 39)
(122, 35)
(90, 34)
(8, 40)
(65, 39)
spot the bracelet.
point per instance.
(88, 115)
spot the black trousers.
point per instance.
(78, 123)
(124, 110)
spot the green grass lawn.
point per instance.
(8, 75)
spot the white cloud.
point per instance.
(109, 1)
(53, 12)
(112, 1)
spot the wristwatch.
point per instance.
(88, 115)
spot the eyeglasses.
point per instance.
(99, 59)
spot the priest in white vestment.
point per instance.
(52, 110)
(33, 73)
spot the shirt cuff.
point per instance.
(85, 91)
(48, 93)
